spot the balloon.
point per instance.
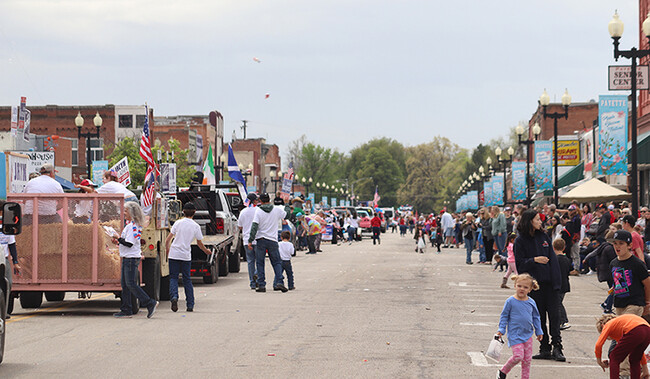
(266, 96)
(257, 60)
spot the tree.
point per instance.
(295, 151)
(130, 148)
(319, 163)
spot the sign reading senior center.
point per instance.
(543, 165)
(612, 135)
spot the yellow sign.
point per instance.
(569, 152)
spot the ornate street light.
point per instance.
(544, 101)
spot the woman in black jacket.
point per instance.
(534, 254)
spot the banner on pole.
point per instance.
(472, 202)
(28, 123)
(497, 190)
(487, 189)
(518, 181)
(14, 120)
(97, 172)
(543, 164)
(612, 135)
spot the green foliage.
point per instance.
(130, 148)
(321, 164)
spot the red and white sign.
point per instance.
(620, 78)
(122, 170)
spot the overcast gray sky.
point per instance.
(339, 71)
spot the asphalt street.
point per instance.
(358, 311)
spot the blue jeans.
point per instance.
(274, 257)
(501, 244)
(130, 286)
(250, 259)
(175, 267)
(286, 267)
(352, 232)
(469, 245)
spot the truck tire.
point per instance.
(223, 263)
(54, 295)
(164, 288)
(31, 299)
(213, 277)
(151, 277)
(3, 325)
(234, 263)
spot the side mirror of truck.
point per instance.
(11, 218)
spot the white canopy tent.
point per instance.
(594, 190)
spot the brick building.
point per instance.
(263, 157)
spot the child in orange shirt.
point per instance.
(632, 334)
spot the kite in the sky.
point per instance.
(257, 60)
(267, 96)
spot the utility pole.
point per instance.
(244, 127)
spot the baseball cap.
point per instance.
(629, 219)
(572, 207)
(47, 168)
(265, 198)
(610, 207)
(189, 206)
(299, 214)
(621, 235)
(507, 209)
(252, 196)
(88, 183)
(601, 205)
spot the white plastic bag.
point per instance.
(494, 350)
(421, 244)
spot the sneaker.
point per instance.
(253, 288)
(591, 272)
(501, 375)
(565, 326)
(280, 287)
(190, 309)
(151, 309)
(260, 289)
(543, 354)
(174, 305)
(122, 315)
(292, 288)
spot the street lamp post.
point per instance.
(544, 101)
(221, 166)
(307, 183)
(79, 122)
(527, 142)
(615, 28)
(504, 162)
(276, 177)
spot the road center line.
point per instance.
(50, 310)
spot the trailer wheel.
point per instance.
(213, 277)
(54, 295)
(164, 288)
(3, 327)
(31, 299)
(223, 263)
(234, 263)
(151, 277)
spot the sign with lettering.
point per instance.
(37, 159)
(18, 173)
(620, 78)
(543, 164)
(123, 173)
(569, 152)
(612, 135)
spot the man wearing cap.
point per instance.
(630, 275)
(605, 220)
(245, 222)
(47, 209)
(179, 253)
(264, 231)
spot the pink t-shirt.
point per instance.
(511, 253)
(637, 243)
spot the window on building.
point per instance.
(75, 152)
(96, 149)
(139, 121)
(126, 121)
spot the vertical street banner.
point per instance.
(333, 202)
(473, 200)
(323, 200)
(518, 181)
(543, 164)
(28, 123)
(14, 120)
(612, 134)
(168, 177)
(497, 190)
(21, 113)
(588, 150)
(341, 203)
(97, 172)
(487, 189)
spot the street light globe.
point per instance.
(488, 161)
(318, 185)
(566, 98)
(519, 129)
(98, 120)
(272, 173)
(311, 180)
(304, 180)
(481, 169)
(511, 151)
(241, 166)
(296, 177)
(79, 121)
(250, 166)
(646, 26)
(223, 157)
(544, 99)
(537, 129)
(497, 151)
(616, 27)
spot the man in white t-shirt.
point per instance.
(245, 222)
(265, 232)
(47, 209)
(447, 224)
(179, 252)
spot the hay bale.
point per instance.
(49, 267)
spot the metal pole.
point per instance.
(505, 193)
(555, 161)
(633, 158)
(88, 153)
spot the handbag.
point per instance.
(494, 350)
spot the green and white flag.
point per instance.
(208, 168)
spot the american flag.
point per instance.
(377, 198)
(152, 170)
(290, 171)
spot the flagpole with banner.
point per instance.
(208, 168)
(149, 189)
(235, 174)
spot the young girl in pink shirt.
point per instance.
(512, 267)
